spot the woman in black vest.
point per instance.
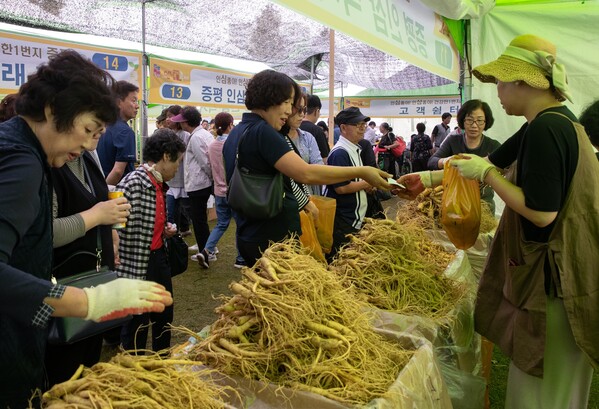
(82, 219)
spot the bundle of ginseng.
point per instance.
(138, 382)
(399, 269)
(292, 323)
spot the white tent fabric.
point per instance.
(257, 30)
(571, 26)
(460, 9)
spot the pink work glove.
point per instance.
(125, 296)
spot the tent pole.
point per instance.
(331, 87)
(144, 74)
(312, 76)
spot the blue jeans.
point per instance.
(223, 218)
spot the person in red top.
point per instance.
(141, 247)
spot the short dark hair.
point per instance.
(124, 88)
(420, 127)
(70, 85)
(323, 125)
(192, 116)
(445, 115)
(174, 109)
(7, 107)
(469, 106)
(371, 123)
(163, 141)
(590, 120)
(269, 88)
(313, 104)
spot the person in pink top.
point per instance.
(223, 123)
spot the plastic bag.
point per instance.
(460, 208)
(326, 220)
(308, 238)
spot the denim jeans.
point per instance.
(223, 218)
(177, 211)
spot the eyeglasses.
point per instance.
(301, 110)
(361, 125)
(470, 121)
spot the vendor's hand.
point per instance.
(376, 177)
(312, 211)
(413, 184)
(125, 296)
(472, 166)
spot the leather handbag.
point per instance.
(177, 254)
(67, 330)
(254, 195)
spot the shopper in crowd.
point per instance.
(271, 97)
(386, 144)
(325, 128)
(161, 120)
(177, 200)
(537, 298)
(441, 131)
(350, 194)
(308, 124)
(590, 120)
(64, 105)
(141, 247)
(82, 238)
(198, 177)
(421, 148)
(117, 147)
(7, 107)
(370, 134)
(223, 123)
(304, 141)
(474, 117)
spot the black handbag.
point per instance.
(254, 195)
(67, 330)
(177, 251)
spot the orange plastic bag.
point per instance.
(327, 207)
(308, 238)
(460, 208)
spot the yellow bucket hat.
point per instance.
(530, 59)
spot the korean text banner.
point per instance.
(173, 82)
(403, 107)
(21, 54)
(406, 30)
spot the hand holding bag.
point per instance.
(253, 195)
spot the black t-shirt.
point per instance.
(547, 154)
(318, 133)
(261, 148)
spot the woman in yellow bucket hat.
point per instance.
(538, 297)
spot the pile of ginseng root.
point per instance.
(290, 322)
(400, 269)
(426, 211)
(138, 382)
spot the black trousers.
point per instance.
(135, 333)
(198, 212)
(340, 230)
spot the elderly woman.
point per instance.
(538, 296)
(474, 117)
(271, 98)
(141, 247)
(61, 109)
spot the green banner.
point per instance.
(409, 31)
